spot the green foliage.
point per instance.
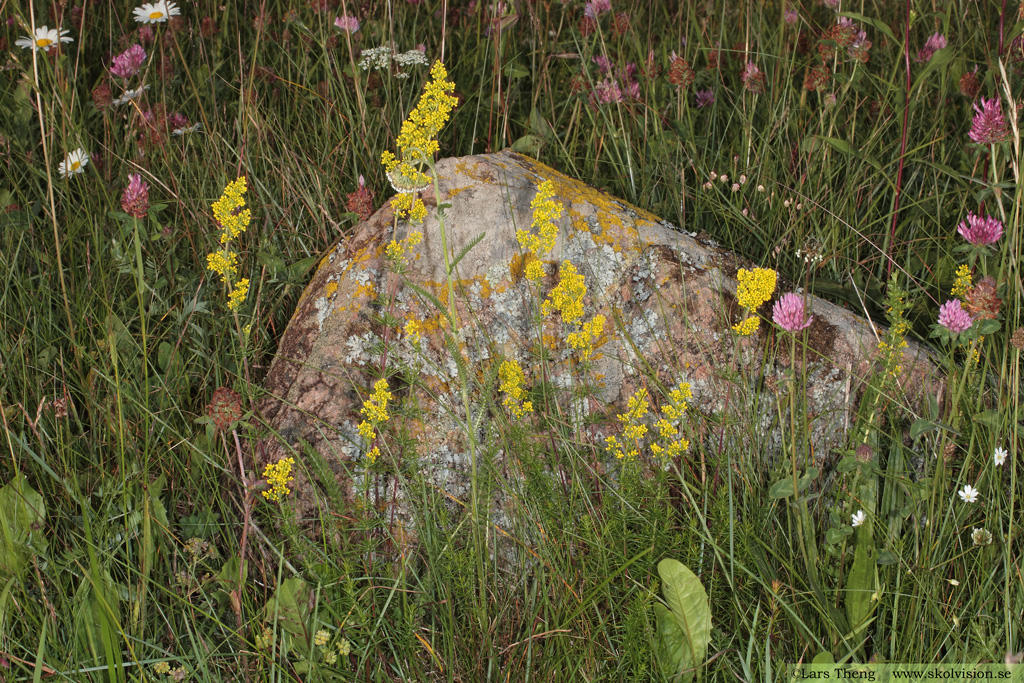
(22, 520)
(684, 626)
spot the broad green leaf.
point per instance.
(861, 582)
(684, 629)
(290, 606)
(22, 516)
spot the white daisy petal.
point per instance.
(74, 163)
(156, 12)
(44, 38)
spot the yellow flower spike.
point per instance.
(963, 281)
(755, 286)
(567, 297)
(278, 475)
(546, 210)
(232, 224)
(512, 380)
(238, 295)
(224, 263)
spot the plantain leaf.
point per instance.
(684, 627)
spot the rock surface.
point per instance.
(668, 298)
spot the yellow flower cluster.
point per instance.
(396, 251)
(755, 287)
(414, 331)
(666, 427)
(963, 282)
(233, 220)
(417, 144)
(583, 340)
(232, 224)
(634, 430)
(546, 210)
(278, 475)
(567, 297)
(892, 346)
(512, 380)
(375, 410)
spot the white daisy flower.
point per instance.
(858, 518)
(999, 456)
(156, 13)
(74, 164)
(968, 494)
(44, 39)
(130, 95)
(177, 132)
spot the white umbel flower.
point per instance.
(44, 39)
(156, 13)
(858, 518)
(74, 164)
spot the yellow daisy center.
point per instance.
(156, 15)
(44, 42)
(75, 165)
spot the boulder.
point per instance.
(668, 298)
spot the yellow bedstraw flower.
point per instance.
(583, 340)
(232, 224)
(278, 475)
(417, 144)
(238, 295)
(546, 210)
(567, 297)
(375, 409)
(755, 287)
(512, 380)
(224, 263)
(963, 281)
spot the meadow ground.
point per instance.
(867, 151)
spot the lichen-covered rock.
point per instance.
(668, 299)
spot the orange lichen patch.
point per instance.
(608, 210)
(366, 290)
(330, 289)
(456, 191)
(551, 341)
(475, 172)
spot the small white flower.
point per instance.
(760, 188)
(981, 537)
(954, 583)
(968, 494)
(44, 39)
(130, 95)
(724, 178)
(714, 175)
(177, 132)
(708, 185)
(858, 518)
(786, 203)
(156, 13)
(999, 456)
(743, 179)
(74, 164)
(735, 187)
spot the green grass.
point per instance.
(100, 578)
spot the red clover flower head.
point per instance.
(788, 313)
(980, 230)
(989, 125)
(135, 199)
(953, 317)
(753, 79)
(935, 42)
(347, 23)
(128, 63)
